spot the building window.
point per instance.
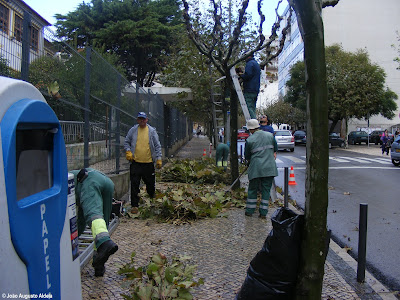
(34, 39)
(18, 28)
(4, 18)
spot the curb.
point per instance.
(377, 286)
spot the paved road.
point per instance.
(356, 178)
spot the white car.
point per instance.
(284, 139)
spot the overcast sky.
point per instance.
(48, 8)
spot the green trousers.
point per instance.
(251, 99)
(222, 153)
(94, 199)
(265, 184)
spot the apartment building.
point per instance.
(356, 24)
(15, 15)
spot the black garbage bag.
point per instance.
(272, 272)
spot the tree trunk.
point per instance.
(313, 248)
(234, 126)
(346, 131)
(333, 125)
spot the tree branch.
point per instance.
(274, 34)
(326, 3)
(201, 46)
(216, 33)
(269, 55)
(236, 32)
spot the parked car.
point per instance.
(375, 136)
(284, 139)
(357, 137)
(395, 152)
(299, 137)
(335, 140)
(284, 127)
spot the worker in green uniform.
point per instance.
(222, 153)
(260, 151)
(94, 193)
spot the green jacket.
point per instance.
(93, 197)
(259, 150)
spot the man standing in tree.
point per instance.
(251, 84)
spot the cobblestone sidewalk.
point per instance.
(222, 249)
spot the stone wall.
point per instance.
(98, 152)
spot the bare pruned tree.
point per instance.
(315, 240)
(224, 53)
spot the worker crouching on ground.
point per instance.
(222, 153)
(94, 193)
(260, 151)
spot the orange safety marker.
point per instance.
(292, 181)
(204, 152)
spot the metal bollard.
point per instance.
(286, 197)
(362, 242)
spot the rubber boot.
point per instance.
(105, 250)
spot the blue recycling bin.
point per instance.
(38, 248)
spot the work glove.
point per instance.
(159, 164)
(129, 155)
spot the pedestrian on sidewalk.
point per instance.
(94, 193)
(251, 84)
(385, 142)
(260, 151)
(143, 150)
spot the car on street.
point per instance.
(357, 137)
(242, 135)
(395, 151)
(284, 139)
(299, 137)
(335, 140)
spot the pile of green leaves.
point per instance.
(160, 279)
(189, 190)
(201, 171)
(183, 203)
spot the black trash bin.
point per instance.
(272, 272)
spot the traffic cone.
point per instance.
(292, 181)
(204, 153)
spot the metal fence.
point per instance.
(95, 104)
